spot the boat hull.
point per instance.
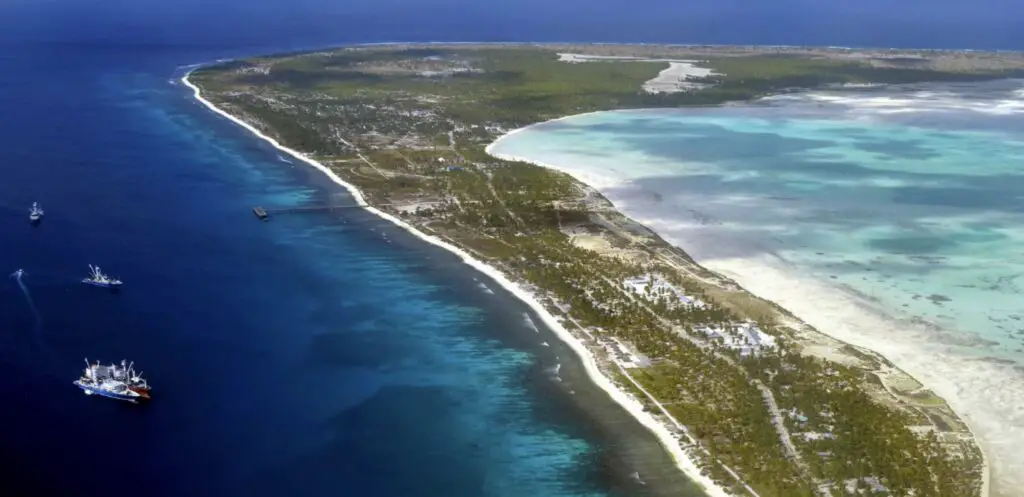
(113, 286)
(143, 392)
(90, 390)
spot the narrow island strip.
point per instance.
(670, 441)
(747, 399)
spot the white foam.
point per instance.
(912, 102)
(529, 323)
(627, 401)
(555, 372)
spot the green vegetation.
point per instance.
(409, 128)
(766, 74)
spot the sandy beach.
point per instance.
(626, 400)
(854, 320)
(993, 411)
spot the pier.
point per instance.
(264, 213)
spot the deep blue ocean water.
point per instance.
(317, 354)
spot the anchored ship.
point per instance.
(97, 278)
(119, 382)
(35, 213)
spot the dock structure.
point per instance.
(264, 214)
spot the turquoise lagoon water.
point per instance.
(888, 217)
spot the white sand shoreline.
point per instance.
(632, 405)
(746, 274)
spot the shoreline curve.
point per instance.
(668, 441)
(945, 390)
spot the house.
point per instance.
(747, 338)
(753, 335)
(870, 481)
(795, 415)
(650, 285)
(813, 435)
(623, 354)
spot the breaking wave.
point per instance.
(529, 323)
(999, 98)
(555, 372)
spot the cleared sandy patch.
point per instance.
(681, 75)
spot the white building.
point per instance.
(753, 335)
(745, 337)
(814, 435)
(623, 354)
(870, 482)
(652, 286)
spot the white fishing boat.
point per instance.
(113, 381)
(97, 278)
(35, 213)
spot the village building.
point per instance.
(745, 337)
(651, 286)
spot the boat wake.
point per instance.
(37, 331)
(17, 275)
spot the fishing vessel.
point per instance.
(97, 278)
(119, 382)
(35, 213)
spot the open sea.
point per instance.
(317, 354)
(887, 217)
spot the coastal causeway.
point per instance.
(748, 398)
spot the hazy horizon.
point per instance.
(985, 24)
